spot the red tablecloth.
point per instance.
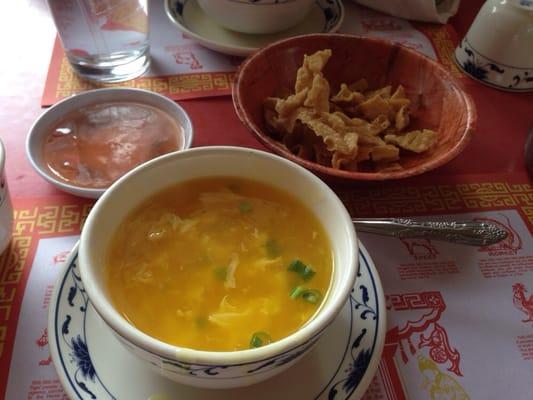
(488, 175)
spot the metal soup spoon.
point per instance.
(473, 233)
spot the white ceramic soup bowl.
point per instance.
(207, 368)
(42, 126)
(256, 16)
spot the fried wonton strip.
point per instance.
(379, 124)
(349, 165)
(399, 93)
(387, 152)
(371, 140)
(373, 107)
(415, 141)
(398, 99)
(402, 118)
(362, 127)
(286, 109)
(333, 140)
(383, 92)
(336, 121)
(318, 60)
(331, 128)
(351, 122)
(340, 160)
(346, 96)
(318, 95)
(345, 142)
(358, 86)
(312, 65)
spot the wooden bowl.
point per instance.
(438, 101)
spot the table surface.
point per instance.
(494, 156)
(496, 148)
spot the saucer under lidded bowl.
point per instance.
(498, 48)
(256, 16)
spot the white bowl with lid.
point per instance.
(256, 16)
(44, 125)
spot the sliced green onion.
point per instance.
(245, 207)
(273, 249)
(312, 296)
(305, 271)
(220, 273)
(308, 273)
(296, 292)
(260, 339)
(296, 266)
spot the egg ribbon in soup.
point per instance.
(219, 264)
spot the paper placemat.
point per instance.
(451, 308)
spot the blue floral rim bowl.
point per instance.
(218, 369)
(497, 50)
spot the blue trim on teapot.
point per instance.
(491, 72)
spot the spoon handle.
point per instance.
(473, 233)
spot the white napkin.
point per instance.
(419, 10)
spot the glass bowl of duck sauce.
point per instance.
(86, 142)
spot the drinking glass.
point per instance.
(104, 40)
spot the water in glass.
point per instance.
(104, 40)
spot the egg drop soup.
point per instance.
(219, 264)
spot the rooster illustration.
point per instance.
(521, 302)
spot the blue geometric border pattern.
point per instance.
(76, 364)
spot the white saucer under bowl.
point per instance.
(326, 16)
(92, 364)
